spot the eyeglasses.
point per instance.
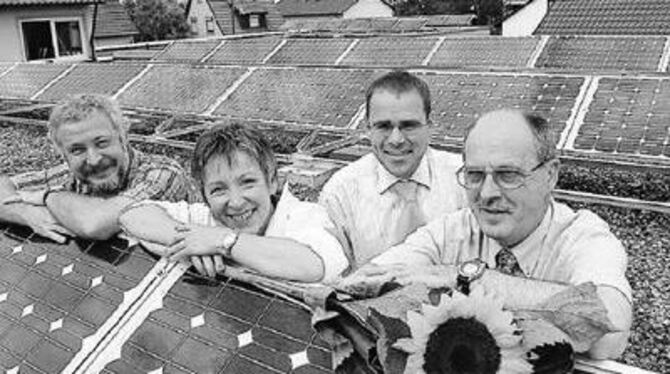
(507, 178)
(405, 127)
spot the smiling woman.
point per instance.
(243, 220)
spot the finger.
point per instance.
(12, 199)
(219, 265)
(208, 264)
(62, 230)
(53, 235)
(197, 263)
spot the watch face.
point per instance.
(469, 269)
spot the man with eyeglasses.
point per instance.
(514, 239)
(378, 200)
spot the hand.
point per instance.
(31, 197)
(194, 240)
(208, 266)
(44, 224)
(369, 280)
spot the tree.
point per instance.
(158, 19)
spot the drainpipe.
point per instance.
(91, 41)
(232, 15)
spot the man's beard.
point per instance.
(110, 185)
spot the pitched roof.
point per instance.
(607, 17)
(10, 3)
(314, 7)
(113, 20)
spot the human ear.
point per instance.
(553, 169)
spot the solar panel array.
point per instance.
(458, 99)
(223, 328)
(180, 88)
(628, 116)
(187, 51)
(53, 296)
(25, 80)
(244, 51)
(320, 96)
(310, 51)
(603, 53)
(484, 52)
(104, 79)
(272, 85)
(390, 52)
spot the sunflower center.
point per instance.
(461, 346)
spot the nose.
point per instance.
(235, 199)
(396, 137)
(93, 157)
(489, 189)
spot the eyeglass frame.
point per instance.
(407, 128)
(460, 176)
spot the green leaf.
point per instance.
(577, 311)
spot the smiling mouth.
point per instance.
(397, 153)
(241, 218)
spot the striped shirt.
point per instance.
(149, 177)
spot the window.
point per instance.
(51, 39)
(252, 21)
(209, 24)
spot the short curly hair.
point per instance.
(79, 107)
(228, 139)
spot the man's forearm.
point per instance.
(518, 292)
(87, 216)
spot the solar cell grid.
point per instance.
(187, 51)
(310, 51)
(390, 52)
(26, 80)
(53, 296)
(458, 99)
(180, 88)
(602, 53)
(310, 96)
(223, 327)
(627, 116)
(244, 51)
(484, 52)
(104, 79)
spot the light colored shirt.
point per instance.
(361, 203)
(149, 177)
(567, 247)
(304, 222)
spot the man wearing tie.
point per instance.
(378, 200)
(514, 239)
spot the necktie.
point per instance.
(410, 217)
(507, 263)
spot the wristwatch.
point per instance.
(468, 272)
(228, 242)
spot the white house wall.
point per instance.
(525, 21)
(11, 37)
(200, 11)
(368, 9)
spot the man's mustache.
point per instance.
(105, 163)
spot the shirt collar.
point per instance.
(284, 207)
(528, 252)
(421, 175)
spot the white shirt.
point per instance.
(567, 247)
(304, 222)
(362, 206)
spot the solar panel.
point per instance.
(26, 80)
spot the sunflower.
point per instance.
(464, 334)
